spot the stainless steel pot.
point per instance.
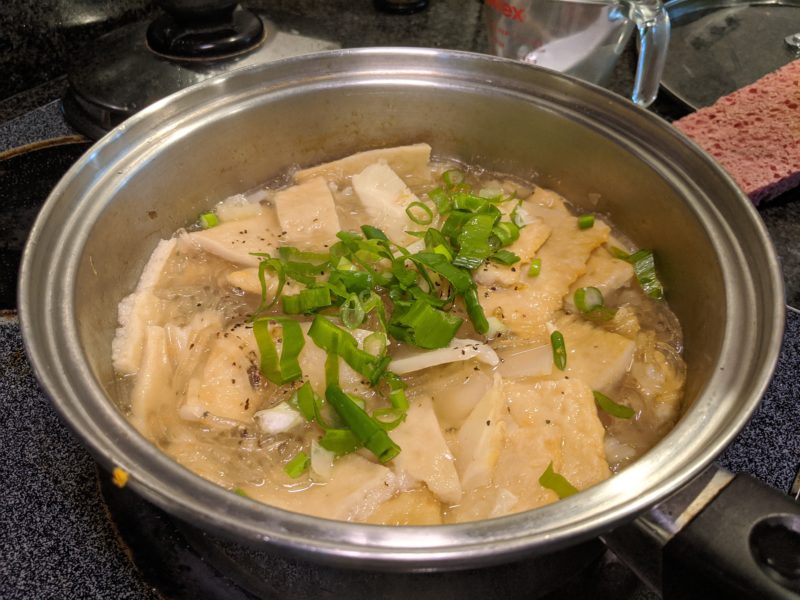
(157, 171)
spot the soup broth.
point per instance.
(399, 340)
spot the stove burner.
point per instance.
(27, 174)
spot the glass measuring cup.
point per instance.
(583, 38)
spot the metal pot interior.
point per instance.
(156, 172)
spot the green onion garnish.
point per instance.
(644, 266)
(615, 410)
(426, 326)
(453, 177)
(559, 350)
(305, 398)
(352, 312)
(585, 221)
(557, 483)
(419, 213)
(209, 220)
(336, 340)
(340, 441)
(588, 298)
(397, 394)
(240, 492)
(473, 241)
(298, 465)
(507, 232)
(475, 311)
(306, 301)
(286, 368)
(504, 257)
(368, 432)
(535, 268)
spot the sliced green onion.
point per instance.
(240, 492)
(557, 483)
(588, 298)
(375, 343)
(209, 220)
(475, 311)
(473, 241)
(644, 266)
(585, 221)
(419, 213)
(270, 363)
(397, 394)
(306, 400)
(373, 233)
(438, 263)
(507, 232)
(365, 428)
(298, 465)
(454, 223)
(429, 327)
(518, 215)
(615, 410)
(559, 350)
(340, 441)
(441, 200)
(306, 301)
(491, 194)
(336, 340)
(351, 312)
(395, 417)
(332, 369)
(275, 265)
(535, 268)
(504, 257)
(453, 177)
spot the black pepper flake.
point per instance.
(514, 269)
(488, 422)
(547, 421)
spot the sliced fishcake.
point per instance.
(356, 488)
(412, 507)
(236, 241)
(152, 383)
(526, 308)
(307, 215)
(531, 238)
(425, 456)
(480, 438)
(224, 387)
(597, 357)
(409, 162)
(385, 197)
(604, 272)
(553, 421)
(138, 310)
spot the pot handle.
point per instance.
(721, 536)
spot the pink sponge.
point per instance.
(754, 133)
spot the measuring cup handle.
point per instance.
(652, 23)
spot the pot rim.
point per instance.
(52, 342)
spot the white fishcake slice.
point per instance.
(153, 381)
(237, 208)
(531, 238)
(356, 488)
(597, 357)
(525, 311)
(137, 311)
(604, 272)
(409, 162)
(223, 387)
(236, 241)
(307, 215)
(553, 421)
(385, 197)
(480, 438)
(424, 453)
